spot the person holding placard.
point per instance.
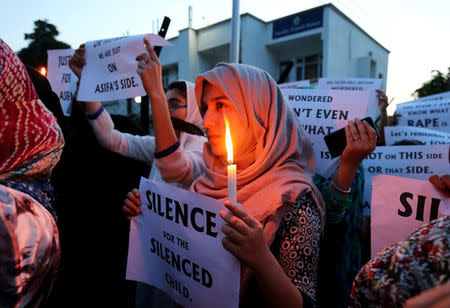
(276, 233)
(344, 241)
(175, 156)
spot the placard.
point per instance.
(110, 72)
(395, 134)
(61, 78)
(409, 161)
(399, 207)
(176, 245)
(295, 84)
(321, 112)
(430, 114)
(356, 84)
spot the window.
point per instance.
(309, 67)
(313, 67)
(299, 69)
(165, 79)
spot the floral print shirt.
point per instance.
(296, 247)
(405, 269)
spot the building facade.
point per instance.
(320, 42)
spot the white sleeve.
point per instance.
(183, 165)
(138, 147)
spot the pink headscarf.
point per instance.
(283, 155)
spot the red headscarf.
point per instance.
(30, 145)
(30, 138)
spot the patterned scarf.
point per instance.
(30, 145)
(30, 138)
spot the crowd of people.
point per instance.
(301, 238)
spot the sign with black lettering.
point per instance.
(409, 161)
(394, 134)
(434, 97)
(400, 206)
(321, 112)
(426, 113)
(295, 84)
(356, 84)
(176, 245)
(61, 78)
(110, 70)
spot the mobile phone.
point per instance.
(336, 141)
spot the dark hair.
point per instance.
(180, 86)
(186, 127)
(408, 142)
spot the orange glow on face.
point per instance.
(228, 142)
(43, 71)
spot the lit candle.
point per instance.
(231, 168)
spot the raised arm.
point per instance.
(181, 161)
(382, 105)
(149, 69)
(103, 126)
(361, 141)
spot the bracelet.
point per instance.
(339, 189)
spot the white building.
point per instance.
(321, 42)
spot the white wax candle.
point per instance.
(232, 183)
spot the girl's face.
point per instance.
(177, 104)
(215, 107)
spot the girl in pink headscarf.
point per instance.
(31, 143)
(276, 233)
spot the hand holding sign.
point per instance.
(77, 61)
(361, 141)
(244, 237)
(150, 71)
(442, 184)
(110, 70)
(132, 204)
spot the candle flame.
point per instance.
(43, 71)
(228, 142)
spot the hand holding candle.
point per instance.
(231, 168)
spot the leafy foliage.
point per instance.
(42, 39)
(437, 84)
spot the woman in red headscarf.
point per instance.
(31, 143)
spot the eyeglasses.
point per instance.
(175, 106)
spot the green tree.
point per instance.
(437, 84)
(42, 39)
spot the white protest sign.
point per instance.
(399, 207)
(176, 245)
(394, 134)
(431, 114)
(295, 84)
(356, 84)
(61, 78)
(410, 161)
(435, 97)
(110, 70)
(321, 112)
